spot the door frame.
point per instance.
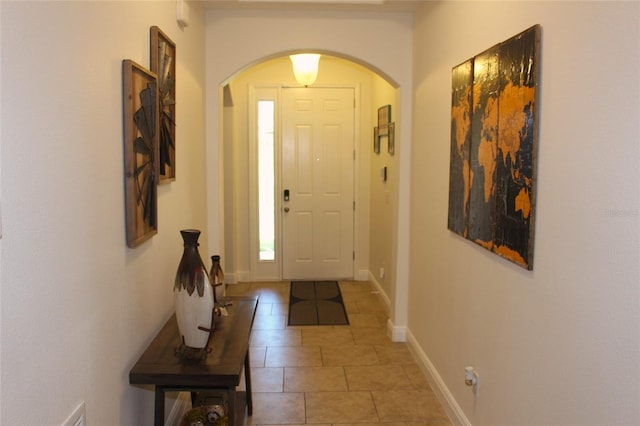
(272, 270)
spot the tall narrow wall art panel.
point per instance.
(140, 95)
(163, 64)
(493, 147)
(462, 82)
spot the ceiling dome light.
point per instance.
(305, 67)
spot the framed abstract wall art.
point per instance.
(384, 118)
(140, 114)
(163, 64)
(494, 130)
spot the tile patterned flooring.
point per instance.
(325, 375)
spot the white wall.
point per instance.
(78, 306)
(237, 39)
(561, 344)
(0, 216)
(384, 196)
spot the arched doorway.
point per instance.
(369, 189)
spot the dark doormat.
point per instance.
(316, 303)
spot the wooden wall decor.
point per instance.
(391, 139)
(163, 63)
(384, 129)
(140, 113)
(384, 118)
(493, 147)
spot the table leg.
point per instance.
(159, 408)
(232, 406)
(247, 380)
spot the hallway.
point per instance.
(333, 374)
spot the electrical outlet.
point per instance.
(77, 418)
(381, 273)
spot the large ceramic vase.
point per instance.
(193, 294)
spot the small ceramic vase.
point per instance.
(217, 279)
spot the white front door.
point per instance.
(317, 181)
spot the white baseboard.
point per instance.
(230, 278)
(181, 405)
(383, 295)
(396, 333)
(362, 275)
(243, 276)
(438, 386)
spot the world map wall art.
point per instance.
(493, 147)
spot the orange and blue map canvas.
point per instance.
(462, 82)
(484, 143)
(493, 146)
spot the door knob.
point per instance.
(286, 209)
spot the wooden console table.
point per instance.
(221, 369)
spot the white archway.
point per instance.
(331, 53)
(381, 42)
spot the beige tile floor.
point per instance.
(327, 375)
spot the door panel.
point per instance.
(317, 169)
